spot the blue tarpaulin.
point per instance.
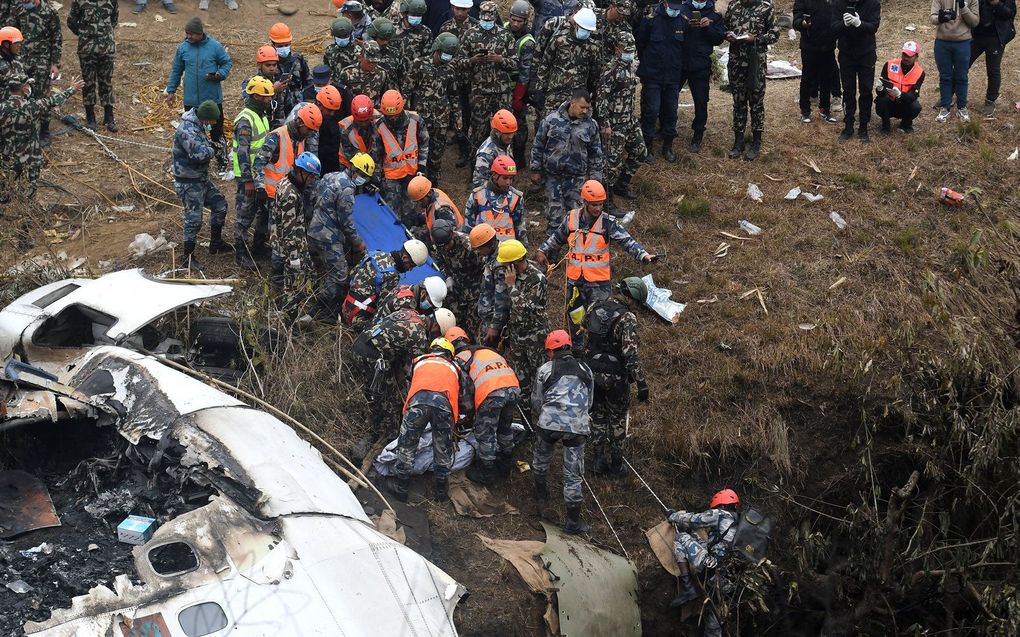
(379, 227)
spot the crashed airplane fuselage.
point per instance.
(280, 547)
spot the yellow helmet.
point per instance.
(259, 85)
(364, 163)
(511, 250)
(442, 343)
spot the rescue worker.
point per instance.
(332, 236)
(489, 49)
(94, 21)
(432, 203)
(565, 152)
(528, 320)
(462, 266)
(391, 58)
(611, 351)
(293, 68)
(287, 231)
(614, 111)
(524, 45)
(39, 25)
(435, 400)
(431, 90)
(332, 104)
(424, 297)
(503, 129)
(192, 151)
(360, 19)
(367, 77)
(750, 29)
(342, 51)
(496, 392)
(460, 25)
(251, 126)
(414, 39)
(569, 62)
(899, 88)
(497, 203)
(11, 40)
(695, 557)
(587, 232)
(493, 300)
(357, 132)
(375, 276)
(560, 401)
(267, 65)
(405, 152)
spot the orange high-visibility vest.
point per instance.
(433, 372)
(348, 127)
(901, 81)
(588, 257)
(441, 199)
(399, 161)
(275, 172)
(498, 215)
(489, 371)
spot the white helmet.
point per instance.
(585, 18)
(417, 251)
(462, 4)
(436, 288)
(444, 319)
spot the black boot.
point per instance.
(755, 149)
(44, 131)
(862, 134)
(848, 131)
(90, 117)
(667, 150)
(481, 472)
(623, 188)
(504, 465)
(574, 524)
(462, 145)
(540, 491)
(616, 469)
(243, 257)
(397, 486)
(108, 121)
(649, 151)
(216, 243)
(695, 145)
(188, 259)
(687, 593)
(886, 125)
(442, 489)
(738, 145)
(600, 466)
(258, 247)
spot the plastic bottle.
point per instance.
(749, 227)
(837, 219)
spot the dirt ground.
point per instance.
(763, 393)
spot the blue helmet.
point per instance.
(309, 162)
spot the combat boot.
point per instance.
(616, 470)
(481, 472)
(397, 486)
(574, 524)
(188, 259)
(462, 146)
(667, 150)
(108, 121)
(442, 489)
(687, 591)
(738, 145)
(216, 243)
(600, 466)
(848, 131)
(90, 117)
(258, 246)
(504, 464)
(649, 151)
(44, 131)
(242, 257)
(623, 189)
(540, 491)
(695, 145)
(755, 149)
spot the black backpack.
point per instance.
(751, 539)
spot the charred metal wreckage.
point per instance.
(256, 535)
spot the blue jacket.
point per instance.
(194, 62)
(660, 45)
(701, 41)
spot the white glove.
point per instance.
(895, 93)
(855, 21)
(847, 19)
(879, 85)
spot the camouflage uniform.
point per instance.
(493, 299)
(561, 399)
(370, 83)
(20, 152)
(301, 78)
(413, 42)
(394, 191)
(527, 326)
(499, 202)
(393, 342)
(491, 83)
(747, 62)
(463, 268)
(721, 526)
(268, 154)
(431, 91)
(43, 41)
(94, 21)
(495, 414)
(614, 109)
(490, 149)
(377, 266)
(525, 47)
(463, 75)
(9, 67)
(337, 58)
(288, 238)
(566, 63)
(192, 152)
(331, 233)
(567, 153)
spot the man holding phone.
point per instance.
(855, 23)
(703, 31)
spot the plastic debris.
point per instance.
(807, 327)
(837, 219)
(754, 192)
(950, 197)
(1014, 154)
(910, 27)
(127, 208)
(792, 34)
(781, 70)
(144, 244)
(45, 548)
(793, 194)
(812, 197)
(660, 301)
(627, 218)
(749, 227)
(522, 466)
(19, 586)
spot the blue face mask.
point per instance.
(488, 25)
(343, 42)
(699, 5)
(360, 181)
(672, 12)
(627, 58)
(28, 6)
(582, 34)
(208, 128)
(446, 57)
(283, 51)
(414, 20)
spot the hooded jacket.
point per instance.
(192, 62)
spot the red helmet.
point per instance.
(503, 165)
(362, 108)
(726, 496)
(557, 339)
(266, 54)
(330, 98)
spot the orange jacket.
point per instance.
(442, 199)
(498, 218)
(399, 160)
(588, 256)
(278, 170)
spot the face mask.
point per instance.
(699, 5)
(318, 88)
(582, 34)
(28, 6)
(446, 57)
(414, 20)
(488, 25)
(672, 12)
(283, 51)
(208, 128)
(627, 58)
(342, 41)
(360, 181)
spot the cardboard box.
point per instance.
(136, 529)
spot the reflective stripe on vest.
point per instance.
(399, 161)
(588, 258)
(489, 371)
(432, 372)
(275, 172)
(438, 201)
(348, 126)
(352, 305)
(901, 81)
(259, 125)
(497, 215)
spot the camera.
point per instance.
(947, 15)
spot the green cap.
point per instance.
(446, 42)
(208, 111)
(635, 288)
(341, 28)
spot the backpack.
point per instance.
(751, 539)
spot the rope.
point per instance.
(599, 505)
(133, 143)
(664, 507)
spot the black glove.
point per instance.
(537, 99)
(261, 196)
(642, 391)
(669, 513)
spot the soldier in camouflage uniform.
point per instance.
(290, 63)
(40, 53)
(413, 38)
(94, 21)
(342, 52)
(461, 24)
(374, 277)
(504, 129)
(432, 92)
(287, 233)
(192, 151)
(528, 321)
(560, 401)
(611, 351)
(11, 41)
(367, 77)
(614, 111)
(493, 297)
(524, 44)
(391, 57)
(491, 60)
(463, 268)
(567, 62)
(750, 29)
(332, 235)
(360, 16)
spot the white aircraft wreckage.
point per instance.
(255, 535)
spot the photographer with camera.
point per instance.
(955, 19)
(855, 23)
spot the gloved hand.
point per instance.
(710, 561)
(855, 20)
(520, 91)
(894, 93)
(642, 391)
(669, 513)
(537, 99)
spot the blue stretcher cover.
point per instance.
(379, 227)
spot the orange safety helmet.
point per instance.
(557, 339)
(419, 187)
(11, 34)
(593, 191)
(310, 117)
(280, 33)
(456, 333)
(392, 103)
(503, 165)
(481, 234)
(330, 98)
(504, 121)
(726, 496)
(266, 53)
(362, 108)
(338, 3)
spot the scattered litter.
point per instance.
(757, 293)
(840, 281)
(714, 299)
(659, 301)
(781, 70)
(735, 237)
(792, 34)
(910, 27)
(837, 219)
(754, 192)
(950, 197)
(45, 548)
(136, 529)
(130, 25)
(793, 194)
(749, 227)
(627, 218)
(475, 501)
(144, 244)
(521, 554)
(722, 250)
(19, 586)
(127, 208)
(807, 327)
(726, 347)
(160, 18)
(1014, 154)
(810, 163)
(386, 523)
(523, 467)
(92, 547)
(118, 500)
(812, 197)
(660, 539)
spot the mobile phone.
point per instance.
(286, 77)
(695, 16)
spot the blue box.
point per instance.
(136, 529)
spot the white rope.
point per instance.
(599, 505)
(128, 141)
(666, 508)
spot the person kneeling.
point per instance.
(899, 89)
